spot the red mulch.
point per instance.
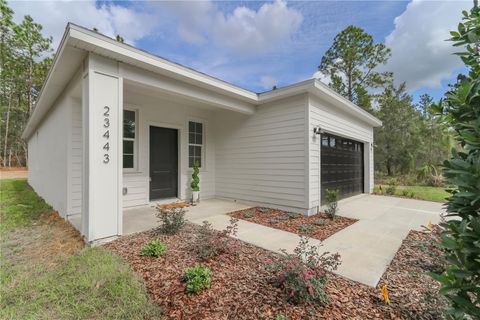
(240, 285)
(411, 289)
(294, 222)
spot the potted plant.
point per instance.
(195, 183)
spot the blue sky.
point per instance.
(260, 44)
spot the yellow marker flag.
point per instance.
(385, 294)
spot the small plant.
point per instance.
(305, 228)
(412, 194)
(285, 217)
(273, 221)
(303, 274)
(211, 243)
(320, 222)
(392, 186)
(195, 184)
(154, 248)
(405, 192)
(332, 203)
(171, 219)
(249, 214)
(294, 215)
(197, 278)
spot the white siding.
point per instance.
(335, 121)
(47, 151)
(171, 114)
(75, 179)
(262, 158)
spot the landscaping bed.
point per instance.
(240, 287)
(318, 226)
(412, 290)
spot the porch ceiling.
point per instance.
(135, 93)
(150, 83)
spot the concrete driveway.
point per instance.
(368, 246)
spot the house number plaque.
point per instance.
(106, 134)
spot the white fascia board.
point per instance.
(344, 103)
(84, 38)
(44, 100)
(285, 92)
(318, 89)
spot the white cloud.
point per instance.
(244, 31)
(131, 23)
(420, 54)
(268, 82)
(325, 78)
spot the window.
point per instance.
(129, 136)
(195, 143)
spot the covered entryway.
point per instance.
(163, 163)
(342, 166)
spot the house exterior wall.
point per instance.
(335, 121)
(169, 114)
(47, 155)
(262, 158)
(75, 154)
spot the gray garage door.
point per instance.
(341, 166)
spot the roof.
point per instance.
(78, 40)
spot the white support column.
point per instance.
(102, 144)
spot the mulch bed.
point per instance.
(240, 284)
(411, 289)
(318, 226)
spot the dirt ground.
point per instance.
(13, 173)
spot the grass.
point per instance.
(437, 194)
(20, 205)
(46, 273)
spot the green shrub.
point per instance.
(154, 248)
(249, 214)
(392, 186)
(195, 184)
(171, 219)
(412, 194)
(460, 236)
(305, 228)
(405, 192)
(377, 190)
(302, 276)
(197, 278)
(211, 243)
(332, 203)
(320, 222)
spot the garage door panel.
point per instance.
(341, 166)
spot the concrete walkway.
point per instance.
(366, 247)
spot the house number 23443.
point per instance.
(106, 134)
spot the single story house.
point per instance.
(117, 127)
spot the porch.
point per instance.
(139, 219)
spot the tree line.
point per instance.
(25, 58)
(412, 139)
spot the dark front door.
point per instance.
(163, 163)
(342, 166)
